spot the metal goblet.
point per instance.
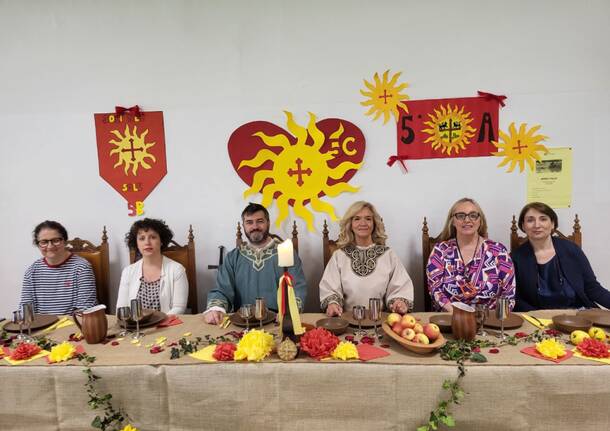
(18, 320)
(245, 311)
(260, 311)
(28, 317)
(136, 314)
(359, 313)
(502, 312)
(123, 314)
(481, 314)
(375, 313)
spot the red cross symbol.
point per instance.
(299, 171)
(385, 97)
(132, 150)
(519, 146)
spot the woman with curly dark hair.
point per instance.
(159, 282)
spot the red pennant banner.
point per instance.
(131, 154)
(449, 128)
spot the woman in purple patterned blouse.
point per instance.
(465, 266)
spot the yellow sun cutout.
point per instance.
(520, 147)
(384, 97)
(132, 149)
(300, 172)
(450, 129)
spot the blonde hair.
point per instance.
(449, 230)
(346, 234)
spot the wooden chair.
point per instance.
(98, 257)
(428, 243)
(185, 255)
(516, 240)
(329, 246)
(295, 237)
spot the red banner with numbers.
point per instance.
(448, 128)
(131, 153)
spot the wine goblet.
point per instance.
(375, 313)
(123, 314)
(502, 312)
(28, 317)
(136, 314)
(260, 311)
(482, 311)
(359, 312)
(18, 320)
(245, 311)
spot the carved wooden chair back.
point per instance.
(329, 246)
(428, 243)
(516, 240)
(98, 257)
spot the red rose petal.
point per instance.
(114, 343)
(494, 350)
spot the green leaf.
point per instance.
(423, 428)
(448, 420)
(97, 422)
(478, 357)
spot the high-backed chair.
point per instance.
(185, 255)
(516, 240)
(428, 242)
(295, 237)
(329, 246)
(98, 257)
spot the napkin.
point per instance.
(61, 323)
(366, 352)
(580, 355)
(205, 354)
(170, 320)
(531, 350)
(546, 322)
(7, 358)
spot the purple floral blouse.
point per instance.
(489, 274)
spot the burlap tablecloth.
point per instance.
(510, 392)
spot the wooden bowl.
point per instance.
(568, 323)
(336, 325)
(421, 349)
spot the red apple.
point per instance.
(421, 339)
(393, 318)
(408, 334)
(397, 327)
(408, 321)
(418, 328)
(431, 331)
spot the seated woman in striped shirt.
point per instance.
(60, 282)
(159, 282)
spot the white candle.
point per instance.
(285, 256)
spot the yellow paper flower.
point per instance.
(551, 348)
(345, 350)
(128, 427)
(255, 346)
(62, 352)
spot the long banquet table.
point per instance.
(511, 391)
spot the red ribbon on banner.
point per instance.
(288, 283)
(490, 96)
(394, 159)
(134, 110)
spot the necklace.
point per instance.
(468, 289)
(476, 248)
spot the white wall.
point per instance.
(212, 66)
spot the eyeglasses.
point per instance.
(45, 242)
(473, 216)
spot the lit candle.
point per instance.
(285, 256)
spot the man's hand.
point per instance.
(213, 317)
(334, 309)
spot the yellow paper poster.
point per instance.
(551, 180)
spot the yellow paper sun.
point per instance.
(520, 147)
(384, 97)
(450, 129)
(300, 172)
(132, 149)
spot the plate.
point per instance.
(40, 321)
(596, 315)
(146, 315)
(568, 323)
(237, 320)
(154, 318)
(336, 325)
(418, 348)
(513, 321)
(366, 323)
(443, 321)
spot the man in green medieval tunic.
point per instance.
(251, 270)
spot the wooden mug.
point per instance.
(463, 322)
(94, 324)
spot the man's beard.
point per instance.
(257, 237)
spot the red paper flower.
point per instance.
(593, 348)
(494, 350)
(24, 351)
(319, 343)
(224, 351)
(520, 335)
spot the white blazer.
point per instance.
(173, 290)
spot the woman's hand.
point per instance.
(334, 309)
(399, 307)
(448, 307)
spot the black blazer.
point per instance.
(576, 269)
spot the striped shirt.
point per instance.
(59, 289)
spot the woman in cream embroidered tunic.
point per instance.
(364, 267)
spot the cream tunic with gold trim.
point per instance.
(354, 274)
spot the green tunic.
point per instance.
(248, 273)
